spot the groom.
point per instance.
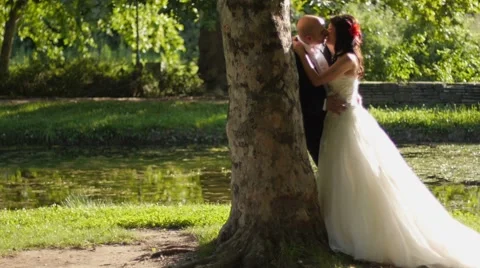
(313, 100)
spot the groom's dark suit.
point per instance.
(311, 100)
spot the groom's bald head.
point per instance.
(311, 29)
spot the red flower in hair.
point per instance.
(355, 30)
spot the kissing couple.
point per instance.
(375, 208)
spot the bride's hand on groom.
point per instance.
(297, 45)
(335, 104)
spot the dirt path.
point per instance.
(175, 245)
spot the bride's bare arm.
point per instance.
(344, 64)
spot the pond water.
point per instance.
(33, 177)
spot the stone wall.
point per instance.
(415, 93)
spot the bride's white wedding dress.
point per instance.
(375, 207)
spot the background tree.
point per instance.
(12, 10)
(210, 59)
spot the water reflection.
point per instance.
(34, 177)
(115, 185)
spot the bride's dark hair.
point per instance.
(348, 38)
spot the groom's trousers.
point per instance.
(313, 126)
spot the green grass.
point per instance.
(437, 117)
(84, 225)
(449, 123)
(132, 115)
(198, 122)
(107, 122)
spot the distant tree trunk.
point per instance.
(211, 61)
(9, 34)
(274, 195)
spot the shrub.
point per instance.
(87, 77)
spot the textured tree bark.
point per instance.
(274, 195)
(8, 35)
(211, 60)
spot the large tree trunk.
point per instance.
(274, 195)
(211, 60)
(9, 34)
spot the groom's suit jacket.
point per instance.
(311, 100)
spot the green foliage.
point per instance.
(384, 57)
(403, 40)
(179, 80)
(204, 12)
(157, 32)
(194, 15)
(88, 77)
(459, 63)
(79, 77)
(53, 27)
(412, 40)
(4, 9)
(83, 29)
(321, 8)
(423, 43)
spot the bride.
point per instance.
(375, 208)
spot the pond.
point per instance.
(33, 177)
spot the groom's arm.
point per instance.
(334, 104)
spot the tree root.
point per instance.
(221, 258)
(252, 249)
(230, 261)
(214, 261)
(194, 263)
(171, 251)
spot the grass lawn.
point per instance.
(110, 122)
(77, 224)
(81, 225)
